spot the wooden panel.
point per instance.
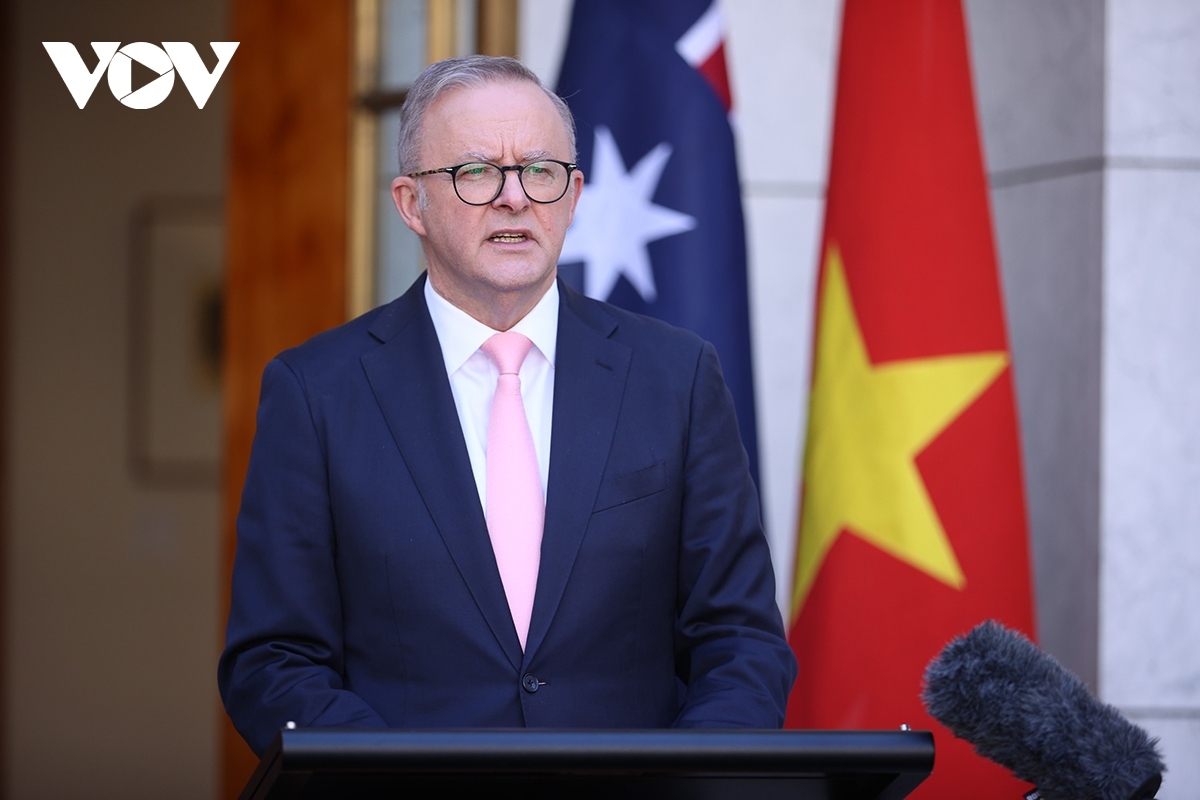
(496, 30)
(364, 143)
(441, 20)
(287, 227)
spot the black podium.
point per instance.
(319, 764)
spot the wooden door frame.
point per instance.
(286, 217)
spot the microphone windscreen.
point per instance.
(1020, 708)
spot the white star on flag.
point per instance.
(616, 219)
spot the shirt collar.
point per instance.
(461, 335)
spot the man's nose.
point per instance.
(512, 194)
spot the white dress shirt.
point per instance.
(473, 376)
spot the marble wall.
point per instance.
(1150, 430)
(1039, 78)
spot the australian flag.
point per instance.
(659, 228)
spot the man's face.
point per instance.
(477, 254)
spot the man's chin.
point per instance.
(522, 279)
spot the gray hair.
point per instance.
(463, 72)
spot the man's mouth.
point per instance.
(507, 238)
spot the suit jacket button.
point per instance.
(530, 683)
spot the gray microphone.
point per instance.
(1020, 708)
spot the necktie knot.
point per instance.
(507, 351)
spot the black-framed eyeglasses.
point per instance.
(478, 183)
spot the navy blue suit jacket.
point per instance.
(365, 592)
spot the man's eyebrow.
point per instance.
(527, 157)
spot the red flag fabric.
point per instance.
(913, 523)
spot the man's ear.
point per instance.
(405, 197)
(574, 192)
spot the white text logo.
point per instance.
(163, 61)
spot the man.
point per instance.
(430, 537)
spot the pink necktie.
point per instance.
(515, 507)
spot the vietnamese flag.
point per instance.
(912, 524)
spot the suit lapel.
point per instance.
(589, 381)
(408, 376)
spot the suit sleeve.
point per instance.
(284, 649)
(731, 652)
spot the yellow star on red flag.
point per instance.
(867, 424)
